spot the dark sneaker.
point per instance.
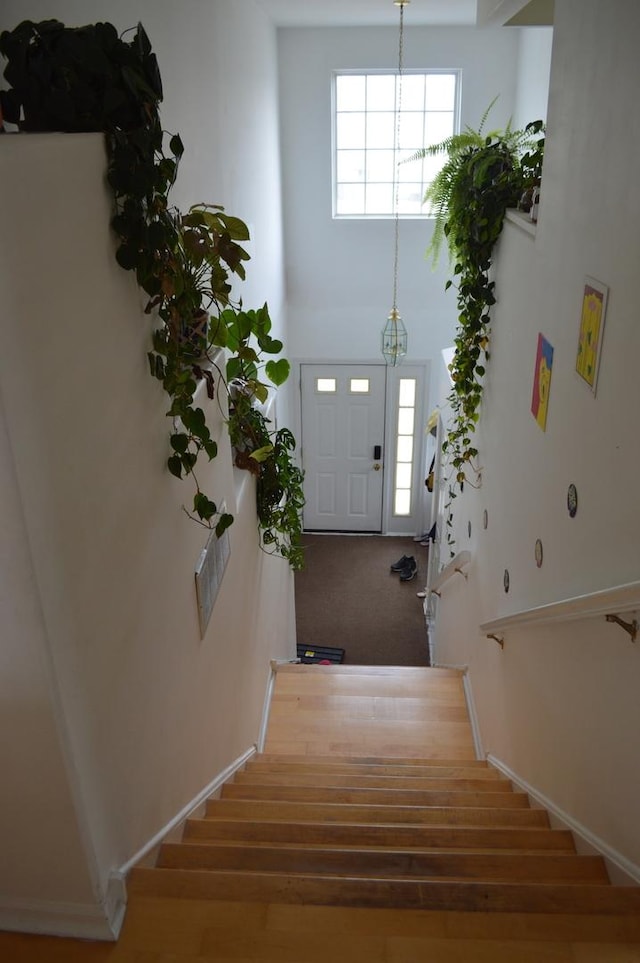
(402, 563)
(410, 571)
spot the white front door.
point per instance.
(343, 415)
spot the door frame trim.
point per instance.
(295, 380)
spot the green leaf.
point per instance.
(188, 460)
(179, 443)
(261, 454)
(174, 464)
(278, 371)
(237, 229)
(176, 146)
(204, 507)
(224, 522)
(127, 257)
(218, 334)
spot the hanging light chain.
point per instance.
(396, 199)
(394, 335)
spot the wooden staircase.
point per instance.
(392, 831)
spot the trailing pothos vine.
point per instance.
(482, 177)
(90, 79)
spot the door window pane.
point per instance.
(404, 446)
(359, 386)
(325, 385)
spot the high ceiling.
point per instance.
(332, 13)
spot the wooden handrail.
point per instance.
(455, 567)
(618, 598)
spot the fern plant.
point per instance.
(518, 145)
(484, 174)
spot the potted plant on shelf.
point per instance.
(474, 160)
(89, 79)
(78, 79)
(482, 176)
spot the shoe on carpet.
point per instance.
(408, 573)
(402, 563)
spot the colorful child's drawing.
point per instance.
(594, 301)
(542, 381)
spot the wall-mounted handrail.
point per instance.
(618, 598)
(455, 567)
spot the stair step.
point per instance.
(401, 764)
(336, 779)
(329, 680)
(394, 671)
(408, 894)
(465, 770)
(377, 797)
(518, 867)
(349, 812)
(392, 836)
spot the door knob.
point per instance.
(377, 466)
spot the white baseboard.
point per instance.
(271, 681)
(473, 715)
(622, 872)
(77, 920)
(174, 825)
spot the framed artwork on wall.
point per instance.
(594, 306)
(542, 381)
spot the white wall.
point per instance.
(35, 803)
(148, 712)
(534, 66)
(340, 272)
(560, 706)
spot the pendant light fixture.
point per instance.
(394, 334)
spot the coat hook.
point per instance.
(630, 627)
(496, 638)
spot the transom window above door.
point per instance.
(367, 149)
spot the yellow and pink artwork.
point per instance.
(542, 381)
(594, 301)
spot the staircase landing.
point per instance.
(369, 711)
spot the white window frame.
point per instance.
(404, 151)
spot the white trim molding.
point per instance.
(76, 920)
(622, 872)
(473, 715)
(118, 877)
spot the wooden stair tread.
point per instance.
(376, 763)
(355, 781)
(449, 690)
(346, 812)
(447, 895)
(385, 863)
(464, 771)
(394, 671)
(377, 797)
(368, 834)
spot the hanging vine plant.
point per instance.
(483, 176)
(90, 79)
